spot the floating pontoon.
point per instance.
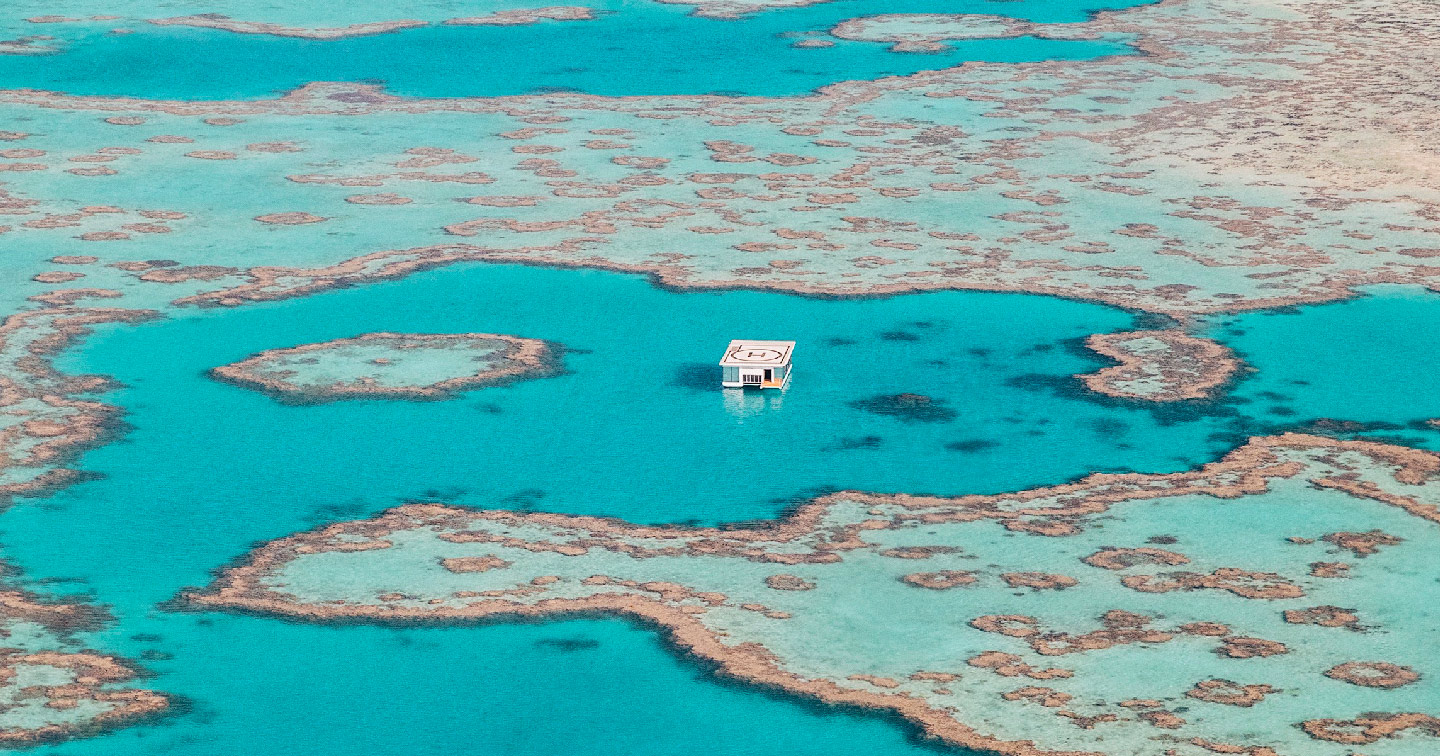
(756, 364)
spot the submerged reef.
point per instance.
(225, 23)
(51, 687)
(1160, 366)
(526, 16)
(909, 408)
(392, 366)
(33, 44)
(512, 17)
(1137, 657)
(928, 32)
(738, 8)
(42, 426)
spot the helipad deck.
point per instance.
(757, 364)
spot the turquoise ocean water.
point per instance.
(635, 429)
(632, 48)
(1365, 360)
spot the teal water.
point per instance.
(632, 48)
(1367, 360)
(637, 429)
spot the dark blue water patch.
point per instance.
(628, 50)
(971, 445)
(910, 408)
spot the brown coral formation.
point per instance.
(78, 424)
(1244, 583)
(889, 683)
(1229, 693)
(1250, 648)
(946, 27)
(527, 16)
(1324, 616)
(1373, 674)
(1119, 628)
(1188, 367)
(916, 552)
(94, 674)
(732, 9)
(1162, 719)
(474, 564)
(940, 581)
(225, 23)
(59, 616)
(1039, 581)
(55, 277)
(1209, 133)
(788, 583)
(92, 671)
(806, 537)
(1329, 569)
(1047, 697)
(1231, 749)
(1187, 117)
(383, 198)
(1362, 544)
(1369, 728)
(1113, 558)
(183, 273)
(517, 359)
(1010, 665)
(289, 219)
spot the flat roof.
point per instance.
(751, 353)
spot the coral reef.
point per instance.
(225, 23)
(392, 366)
(783, 629)
(51, 688)
(1159, 366)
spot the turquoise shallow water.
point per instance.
(1365, 360)
(632, 48)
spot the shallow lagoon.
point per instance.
(631, 48)
(636, 429)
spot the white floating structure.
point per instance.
(756, 364)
